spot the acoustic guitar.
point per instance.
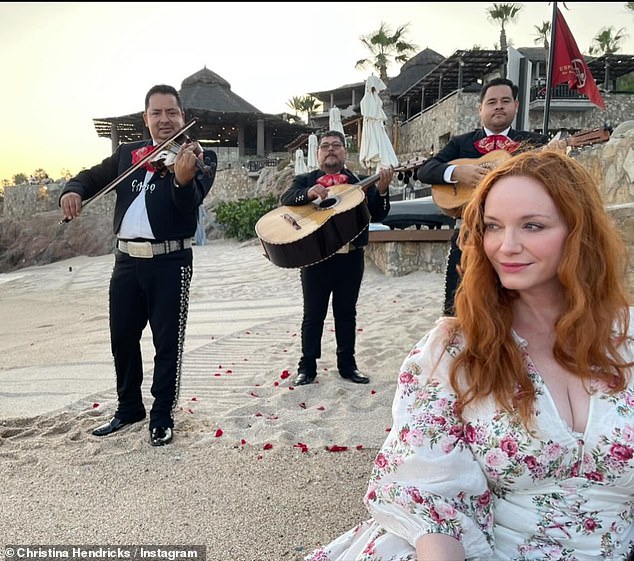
(452, 197)
(297, 236)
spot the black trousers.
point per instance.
(152, 290)
(452, 276)
(339, 276)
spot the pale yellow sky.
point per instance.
(64, 64)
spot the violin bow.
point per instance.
(133, 168)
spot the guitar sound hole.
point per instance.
(328, 202)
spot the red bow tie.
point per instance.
(332, 179)
(495, 142)
(140, 153)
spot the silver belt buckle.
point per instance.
(140, 249)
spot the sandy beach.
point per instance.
(259, 470)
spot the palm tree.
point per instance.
(606, 42)
(386, 47)
(304, 104)
(503, 13)
(295, 103)
(543, 35)
(309, 106)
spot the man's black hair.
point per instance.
(499, 82)
(163, 89)
(334, 133)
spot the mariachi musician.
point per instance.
(497, 108)
(155, 218)
(339, 275)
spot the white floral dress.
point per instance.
(505, 494)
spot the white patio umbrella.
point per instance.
(376, 150)
(334, 120)
(312, 152)
(300, 164)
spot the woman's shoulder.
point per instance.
(442, 342)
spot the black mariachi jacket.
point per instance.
(378, 206)
(172, 211)
(461, 146)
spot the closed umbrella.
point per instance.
(300, 164)
(334, 121)
(376, 150)
(312, 152)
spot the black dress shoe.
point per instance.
(113, 425)
(355, 376)
(304, 377)
(160, 436)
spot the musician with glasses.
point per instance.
(341, 274)
(497, 109)
(155, 218)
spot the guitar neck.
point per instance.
(365, 183)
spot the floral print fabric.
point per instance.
(505, 493)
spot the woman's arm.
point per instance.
(439, 547)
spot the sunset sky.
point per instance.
(64, 64)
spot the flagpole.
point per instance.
(549, 75)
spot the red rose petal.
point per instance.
(267, 446)
(218, 433)
(336, 448)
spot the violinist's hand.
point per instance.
(317, 191)
(185, 163)
(70, 204)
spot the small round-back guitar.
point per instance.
(452, 197)
(297, 236)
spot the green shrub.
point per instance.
(239, 217)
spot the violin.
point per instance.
(163, 160)
(140, 163)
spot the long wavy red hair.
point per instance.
(592, 272)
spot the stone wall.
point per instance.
(397, 258)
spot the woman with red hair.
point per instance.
(513, 429)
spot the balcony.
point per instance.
(562, 98)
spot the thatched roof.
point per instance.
(208, 91)
(220, 112)
(412, 71)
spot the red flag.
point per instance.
(569, 64)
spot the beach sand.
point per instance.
(252, 473)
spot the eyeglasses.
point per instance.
(328, 145)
